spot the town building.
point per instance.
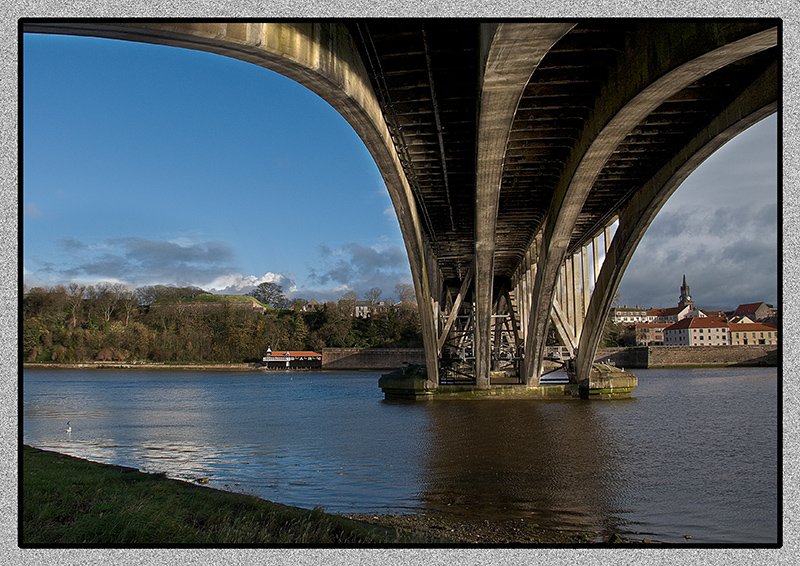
(650, 333)
(687, 325)
(626, 314)
(755, 311)
(310, 306)
(366, 309)
(698, 331)
(669, 315)
(713, 314)
(746, 334)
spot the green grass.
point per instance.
(70, 501)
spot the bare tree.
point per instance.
(109, 295)
(75, 295)
(347, 304)
(373, 295)
(405, 293)
(271, 294)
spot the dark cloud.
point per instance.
(729, 256)
(71, 244)
(720, 228)
(105, 266)
(139, 260)
(742, 172)
(158, 252)
(358, 268)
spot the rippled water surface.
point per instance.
(694, 454)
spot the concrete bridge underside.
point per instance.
(525, 161)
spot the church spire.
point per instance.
(686, 296)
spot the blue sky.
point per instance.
(148, 164)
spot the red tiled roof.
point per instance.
(747, 308)
(652, 324)
(752, 327)
(665, 312)
(714, 314)
(295, 354)
(698, 322)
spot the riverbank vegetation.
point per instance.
(71, 501)
(159, 324)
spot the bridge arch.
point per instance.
(630, 96)
(519, 239)
(756, 103)
(323, 58)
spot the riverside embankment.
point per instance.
(73, 501)
(641, 357)
(68, 500)
(653, 357)
(638, 357)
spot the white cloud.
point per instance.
(236, 282)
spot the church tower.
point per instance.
(686, 297)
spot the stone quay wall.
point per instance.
(371, 358)
(687, 356)
(672, 356)
(634, 357)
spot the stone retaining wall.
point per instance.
(671, 356)
(635, 357)
(371, 358)
(676, 356)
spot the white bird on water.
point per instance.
(69, 427)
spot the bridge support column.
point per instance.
(484, 289)
(510, 55)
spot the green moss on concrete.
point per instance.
(608, 382)
(410, 382)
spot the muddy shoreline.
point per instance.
(465, 531)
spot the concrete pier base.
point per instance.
(409, 383)
(607, 382)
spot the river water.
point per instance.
(692, 457)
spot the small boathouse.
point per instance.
(287, 359)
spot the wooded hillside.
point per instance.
(168, 324)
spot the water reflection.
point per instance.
(502, 460)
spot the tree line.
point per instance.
(162, 324)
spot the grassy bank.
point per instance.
(71, 501)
